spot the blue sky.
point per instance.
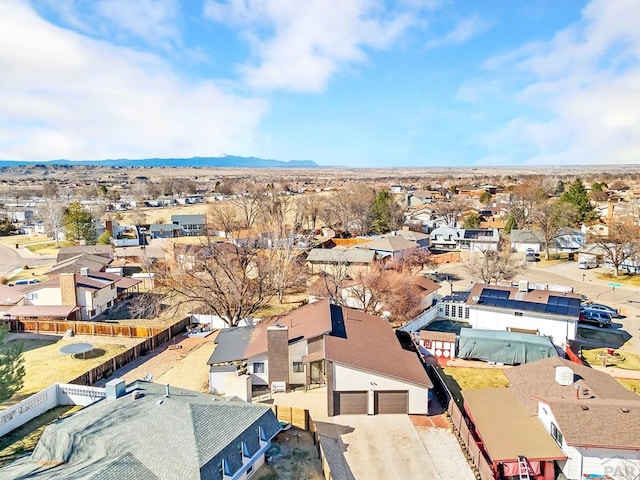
(360, 83)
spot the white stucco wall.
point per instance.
(44, 296)
(559, 329)
(349, 378)
(296, 352)
(258, 378)
(618, 464)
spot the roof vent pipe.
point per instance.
(166, 390)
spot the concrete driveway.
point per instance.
(383, 446)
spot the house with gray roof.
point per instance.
(334, 260)
(191, 225)
(153, 432)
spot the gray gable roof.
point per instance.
(188, 219)
(231, 344)
(185, 435)
(328, 255)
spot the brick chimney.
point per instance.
(68, 289)
(278, 353)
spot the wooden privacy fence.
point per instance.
(460, 425)
(107, 368)
(298, 417)
(83, 328)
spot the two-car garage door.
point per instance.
(350, 403)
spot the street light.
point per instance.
(583, 275)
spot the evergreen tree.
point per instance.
(104, 238)
(6, 227)
(386, 214)
(78, 224)
(509, 225)
(11, 367)
(578, 196)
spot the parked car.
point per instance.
(587, 264)
(602, 319)
(31, 281)
(600, 307)
(531, 257)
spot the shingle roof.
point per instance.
(325, 255)
(537, 379)
(231, 344)
(178, 436)
(308, 321)
(390, 244)
(10, 295)
(369, 343)
(67, 252)
(75, 263)
(57, 311)
(188, 219)
(603, 423)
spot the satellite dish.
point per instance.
(475, 298)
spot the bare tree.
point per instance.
(224, 279)
(384, 291)
(619, 245)
(451, 210)
(523, 201)
(552, 218)
(497, 265)
(52, 213)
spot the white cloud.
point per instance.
(65, 95)
(301, 46)
(154, 22)
(586, 81)
(464, 30)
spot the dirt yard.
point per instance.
(294, 457)
(182, 363)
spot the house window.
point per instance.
(426, 343)
(258, 367)
(249, 470)
(460, 309)
(556, 434)
(32, 296)
(298, 367)
(466, 313)
(446, 310)
(221, 469)
(517, 314)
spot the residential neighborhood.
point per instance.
(273, 334)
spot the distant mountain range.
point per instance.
(224, 161)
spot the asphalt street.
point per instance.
(14, 258)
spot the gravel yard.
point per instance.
(445, 454)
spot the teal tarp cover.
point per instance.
(500, 346)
